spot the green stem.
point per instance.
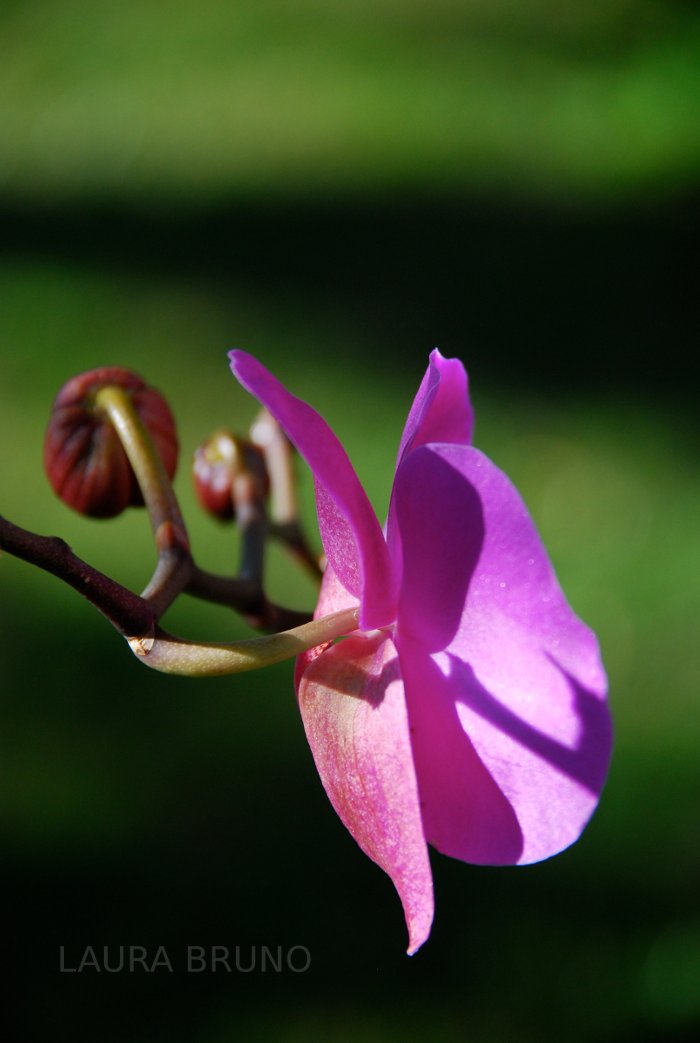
(163, 509)
(171, 576)
(285, 526)
(172, 655)
(174, 566)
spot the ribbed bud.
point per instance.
(216, 465)
(83, 456)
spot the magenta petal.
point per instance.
(352, 703)
(465, 814)
(441, 410)
(514, 684)
(351, 534)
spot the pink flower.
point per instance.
(468, 712)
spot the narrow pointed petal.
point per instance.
(351, 534)
(502, 678)
(352, 704)
(441, 410)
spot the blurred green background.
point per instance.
(338, 188)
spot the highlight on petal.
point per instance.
(351, 534)
(518, 676)
(353, 707)
(441, 410)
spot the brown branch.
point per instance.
(126, 611)
(130, 614)
(245, 597)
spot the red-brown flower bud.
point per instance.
(83, 456)
(216, 465)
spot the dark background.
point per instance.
(339, 190)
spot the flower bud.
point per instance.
(216, 465)
(83, 455)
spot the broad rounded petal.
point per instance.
(496, 665)
(351, 534)
(352, 704)
(441, 410)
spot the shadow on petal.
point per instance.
(360, 682)
(586, 762)
(441, 521)
(465, 813)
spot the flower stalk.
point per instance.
(168, 525)
(285, 525)
(103, 400)
(174, 566)
(173, 655)
(127, 612)
(137, 621)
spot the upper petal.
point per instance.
(352, 704)
(351, 534)
(501, 676)
(441, 410)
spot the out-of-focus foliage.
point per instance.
(203, 98)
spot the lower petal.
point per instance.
(352, 704)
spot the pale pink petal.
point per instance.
(351, 534)
(333, 597)
(352, 703)
(498, 668)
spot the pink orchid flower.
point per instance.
(468, 711)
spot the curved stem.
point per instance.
(126, 611)
(172, 655)
(163, 509)
(285, 526)
(171, 576)
(174, 566)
